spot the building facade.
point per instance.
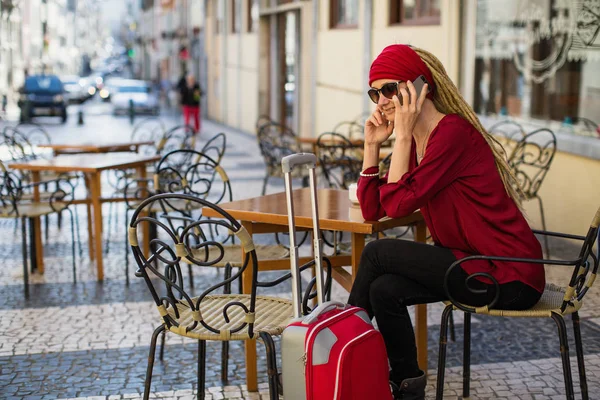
(305, 63)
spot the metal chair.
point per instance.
(350, 129)
(204, 315)
(530, 161)
(508, 133)
(338, 160)
(215, 147)
(148, 129)
(16, 202)
(151, 129)
(556, 303)
(275, 142)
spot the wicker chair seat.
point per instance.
(31, 210)
(549, 303)
(43, 196)
(233, 254)
(272, 315)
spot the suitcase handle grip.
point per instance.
(293, 160)
(322, 309)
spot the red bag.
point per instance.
(345, 356)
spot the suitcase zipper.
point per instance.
(356, 340)
(310, 339)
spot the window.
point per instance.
(343, 13)
(252, 15)
(414, 12)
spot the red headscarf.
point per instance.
(401, 62)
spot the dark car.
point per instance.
(43, 95)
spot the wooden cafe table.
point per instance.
(91, 165)
(268, 214)
(116, 147)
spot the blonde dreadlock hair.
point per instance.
(447, 99)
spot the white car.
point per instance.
(138, 94)
(75, 92)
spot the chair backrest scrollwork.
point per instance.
(194, 173)
(338, 161)
(180, 238)
(586, 267)
(531, 159)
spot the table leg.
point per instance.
(251, 370)
(97, 205)
(421, 311)
(88, 206)
(37, 224)
(145, 226)
(358, 245)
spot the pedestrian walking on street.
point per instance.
(190, 92)
(445, 164)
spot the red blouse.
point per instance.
(463, 200)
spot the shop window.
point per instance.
(343, 13)
(414, 12)
(529, 69)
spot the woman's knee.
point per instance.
(370, 256)
(385, 291)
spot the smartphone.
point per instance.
(418, 83)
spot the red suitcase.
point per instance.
(334, 353)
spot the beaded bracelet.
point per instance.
(369, 175)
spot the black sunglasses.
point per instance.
(389, 90)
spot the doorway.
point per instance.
(288, 67)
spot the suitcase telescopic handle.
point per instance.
(322, 309)
(288, 163)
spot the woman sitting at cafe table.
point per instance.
(445, 164)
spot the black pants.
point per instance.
(394, 274)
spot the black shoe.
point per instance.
(410, 388)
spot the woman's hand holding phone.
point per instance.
(406, 112)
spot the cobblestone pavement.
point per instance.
(90, 340)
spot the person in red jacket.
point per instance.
(445, 164)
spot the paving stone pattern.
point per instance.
(90, 340)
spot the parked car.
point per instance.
(111, 86)
(140, 93)
(42, 95)
(75, 92)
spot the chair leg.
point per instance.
(451, 325)
(467, 356)
(564, 353)
(580, 360)
(148, 381)
(47, 227)
(264, 189)
(162, 346)
(73, 244)
(543, 218)
(24, 249)
(32, 252)
(442, 352)
(271, 365)
(201, 368)
(127, 252)
(225, 361)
